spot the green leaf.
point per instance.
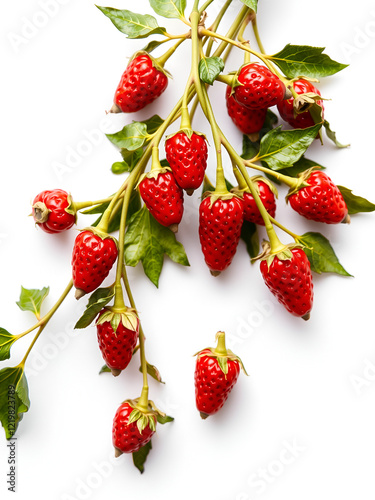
(147, 241)
(153, 123)
(249, 148)
(32, 299)
(300, 166)
(332, 135)
(321, 254)
(164, 419)
(210, 68)
(169, 8)
(130, 160)
(356, 204)
(153, 372)
(253, 4)
(131, 24)
(249, 234)
(283, 148)
(140, 456)
(131, 137)
(154, 44)
(6, 342)
(99, 299)
(14, 399)
(303, 60)
(104, 369)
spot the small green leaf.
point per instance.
(249, 234)
(6, 342)
(32, 299)
(283, 148)
(153, 372)
(99, 299)
(131, 137)
(147, 241)
(130, 160)
(253, 4)
(153, 123)
(140, 456)
(14, 398)
(164, 419)
(249, 148)
(154, 44)
(321, 254)
(104, 369)
(332, 135)
(356, 204)
(210, 68)
(169, 8)
(131, 24)
(302, 60)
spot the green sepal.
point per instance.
(153, 372)
(128, 318)
(284, 254)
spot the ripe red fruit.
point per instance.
(51, 211)
(320, 201)
(260, 87)
(126, 436)
(187, 159)
(93, 258)
(220, 223)
(248, 121)
(288, 276)
(286, 110)
(267, 196)
(141, 83)
(216, 372)
(117, 337)
(163, 197)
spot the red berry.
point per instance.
(260, 88)
(290, 281)
(93, 258)
(248, 121)
(187, 159)
(212, 386)
(141, 83)
(126, 437)
(220, 231)
(163, 197)
(285, 107)
(117, 346)
(49, 211)
(321, 201)
(251, 211)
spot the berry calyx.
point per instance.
(53, 211)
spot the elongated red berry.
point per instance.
(220, 224)
(248, 121)
(251, 211)
(93, 258)
(163, 197)
(117, 346)
(286, 110)
(141, 83)
(259, 88)
(288, 276)
(126, 436)
(187, 159)
(320, 201)
(51, 211)
(216, 372)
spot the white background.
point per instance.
(312, 385)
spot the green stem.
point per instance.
(285, 229)
(216, 24)
(232, 32)
(257, 36)
(205, 5)
(286, 179)
(160, 61)
(221, 349)
(240, 35)
(43, 322)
